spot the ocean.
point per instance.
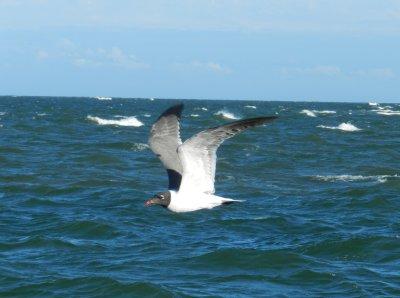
(321, 186)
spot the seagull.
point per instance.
(191, 165)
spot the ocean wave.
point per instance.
(147, 115)
(308, 113)
(313, 113)
(250, 107)
(355, 178)
(373, 104)
(202, 109)
(140, 146)
(227, 115)
(342, 126)
(90, 286)
(2, 113)
(30, 242)
(249, 258)
(386, 110)
(89, 229)
(125, 121)
(103, 98)
(324, 112)
(194, 115)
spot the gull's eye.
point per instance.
(161, 197)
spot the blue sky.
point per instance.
(336, 50)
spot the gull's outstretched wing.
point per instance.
(164, 141)
(198, 154)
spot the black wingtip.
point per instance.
(174, 110)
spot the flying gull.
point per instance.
(191, 165)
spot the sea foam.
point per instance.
(308, 113)
(313, 113)
(342, 126)
(125, 121)
(139, 146)
(355, 178)
(103, 98)
(386, 110)
(227, 115)
(250, 107)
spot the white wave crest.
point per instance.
(313, 113)
(2, 113)
(147, 115)
(194, 115)
(103, 98)
(373, 104)
(386, 111)
(250, 107)
(308, 113)
(227, 115)
(202, 109)
(140, 146)
(342, 126)
(151, 98)
(125, 121)
(355, 178)
(324, 112)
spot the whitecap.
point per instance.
(194, 115)
(313, 113)
(41, 114)
(202, 108)
(103, 98)
(2, 113)
(140, 146)
(147, 115)
(386, 110)
(250, 107)
(355, 178)
(343, 126)
(373, 104)
(126, 121)
(151, 98)
(308, 113)
(227, 115)
(324, 112)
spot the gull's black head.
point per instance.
(162, 199)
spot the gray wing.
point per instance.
(164, 141)
(198, 154)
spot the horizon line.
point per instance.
(213, 99)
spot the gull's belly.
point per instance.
(192, 202)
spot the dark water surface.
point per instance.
(321, 216)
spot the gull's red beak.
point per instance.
(149, 202)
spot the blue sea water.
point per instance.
(321, 216)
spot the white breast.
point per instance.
(186, 202)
